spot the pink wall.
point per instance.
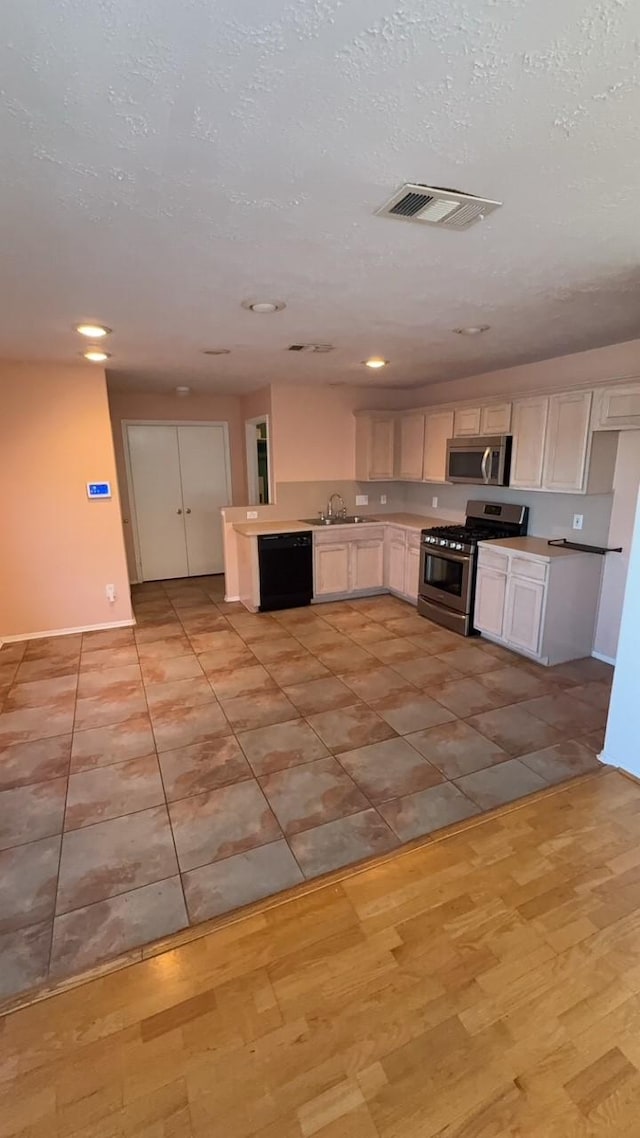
(201, 408)
(581, 369)
(256, 403)
(59, 549)
(314, 430)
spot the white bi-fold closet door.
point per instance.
(180, 479)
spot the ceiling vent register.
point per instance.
(433, 205)
(313, 348)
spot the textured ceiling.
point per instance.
(162, 161)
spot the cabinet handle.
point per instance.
(178, 511)
(187, 511)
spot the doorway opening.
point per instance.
(258, 447)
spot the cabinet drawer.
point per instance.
(527, 567)
(493, 559)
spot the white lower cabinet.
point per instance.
(543, 606)
(412, 567)
(524, 606)
(367, 565)
(331, 569)
(348, 560)
(491, 591)
(402, 562)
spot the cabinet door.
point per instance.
(395, 564)
(491, 588)
(438, 429)
(382, 432)
(467, 421)
(529, 433)
(496, 419)
(567, 441)
(367, 564)
(523, 614)
(618, 408)
(331, 569)
(411, 439)
(412, 572)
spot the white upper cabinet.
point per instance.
(375, 434)
(466, 421)
(496, 419)
(410, 447)
(567, 442)
(529, 427)
(438, 429)
(617, 408)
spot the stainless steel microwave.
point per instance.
(485, 461)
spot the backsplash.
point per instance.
(550, 515)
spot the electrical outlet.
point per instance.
(383, 499)
(578, 520)
(110, 590)
(434, 503)
(362, 499)
(252, 515)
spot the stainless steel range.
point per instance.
(448, 555)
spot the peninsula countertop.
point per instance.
(407, 521)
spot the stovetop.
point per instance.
(482, 524)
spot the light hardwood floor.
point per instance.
(485, 985)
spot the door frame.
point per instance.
(252, 463)
(126, 423)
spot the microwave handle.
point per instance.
(485, 470)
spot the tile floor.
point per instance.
(156, 777)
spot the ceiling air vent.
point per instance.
(433, 205)
(310, 348)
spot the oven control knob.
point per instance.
(458, 545)
(442, 541)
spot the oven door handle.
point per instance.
(485, 471)
(448, 554)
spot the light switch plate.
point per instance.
(383, 499)
(434, 503)
(362, 499)
(578, 519)
(252, 515)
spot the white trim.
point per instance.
(125, 424)
(605, 659)
(68, 631)
(230, 600)
(251, 461)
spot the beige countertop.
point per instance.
(409, 521)
(535, 546)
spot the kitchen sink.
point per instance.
(348, 520)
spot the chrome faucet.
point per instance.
(342, 509)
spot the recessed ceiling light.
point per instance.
(216, 351)
(96, 355)
(264, 306)
(375, 361)
(93, 331)
(182, 391)
(472, 330)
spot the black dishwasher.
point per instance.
(286, 570)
